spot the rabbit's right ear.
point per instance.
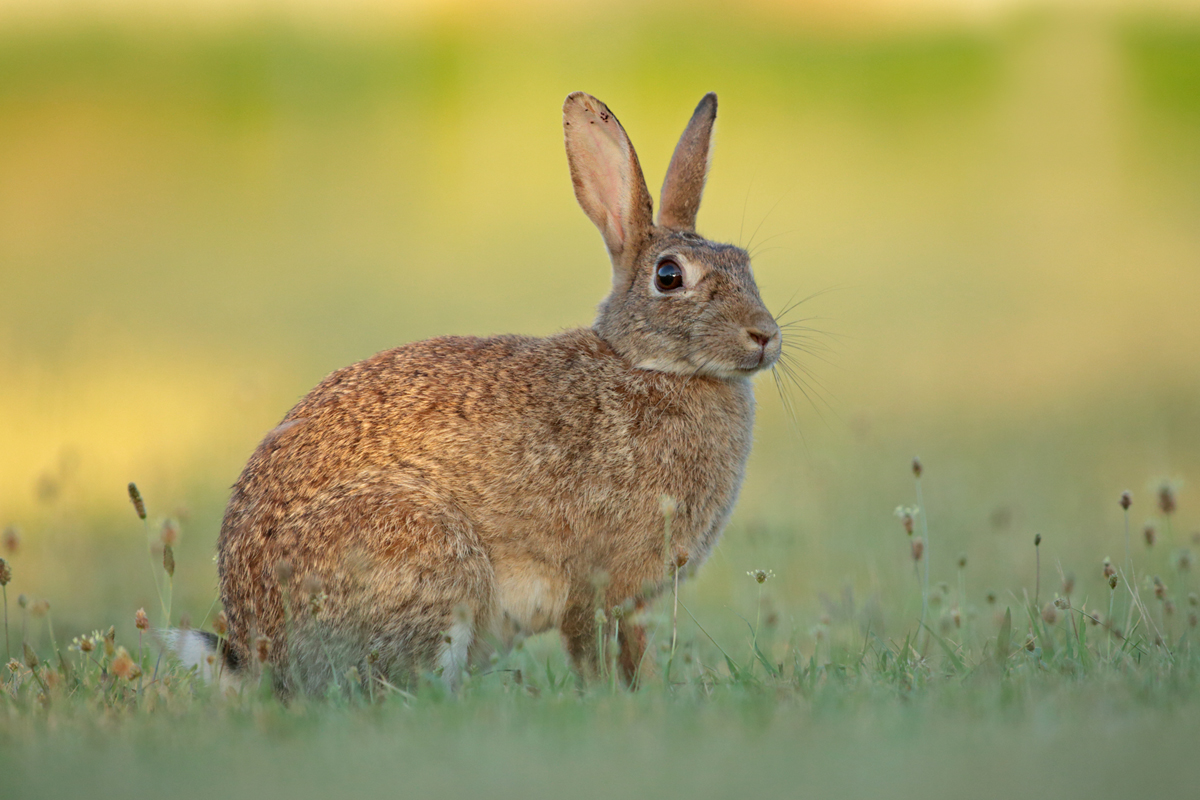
(684, 183)
(607, 176)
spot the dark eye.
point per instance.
(668, 276)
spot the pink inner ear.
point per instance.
(605, 165)
(604, 159)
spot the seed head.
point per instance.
(1068, 585)
(907, 517)
(312, 584)
(962, 561)
(916, 467)
(169, 560)
(40, 608)
(87, 644)
(316, 602)
(1166, 498)
(1037, 540)
(135, 497)
(991, 598)
(110, 641)
(1062, 603)
(5, 572)
(1109, 569)
(1191, 619)
(373, 657)
(1112, 581)
(600, 616)
(13, 665)
(956, 617)
(1150, 534)
(600, 580)
(1160, 588)
(1168, 607)
(681, 560)
(667, 505)
(12, 540)
(31, 659)
(317, 599)
(221, 624)
(23, 601)
(918, 548)
(1094, 619)
(1126, 500)
(1050, 613)
(1183, 560)
(141, 621)
(262, 648)
(761, 575)
(123, 666)
(1193, 599)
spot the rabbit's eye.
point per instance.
(668, 276)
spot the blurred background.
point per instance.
(994, 206)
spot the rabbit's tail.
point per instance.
(211, 656)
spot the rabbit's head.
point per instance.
(679, 303)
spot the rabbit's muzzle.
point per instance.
(761, 343)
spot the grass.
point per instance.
(202, 223)
(1082, 694)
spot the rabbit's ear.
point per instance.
(607, 176)
(684, 183)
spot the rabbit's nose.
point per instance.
(759, 337)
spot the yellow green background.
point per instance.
(999, 216)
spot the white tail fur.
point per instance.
(202, 651)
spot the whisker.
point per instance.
(745, 203)
(799, 384)
(819, 391)
(820, 355)
(788, 407)
(758, 251)
(764, 219)
(793, 305)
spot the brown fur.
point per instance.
(446, 495)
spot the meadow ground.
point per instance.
(996, 220)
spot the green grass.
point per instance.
(1079, 695)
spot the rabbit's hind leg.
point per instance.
(584, 632)
(632, 638)
(409, 583)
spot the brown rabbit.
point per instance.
(423, 505)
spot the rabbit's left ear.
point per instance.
(684, 183)
(607, 176)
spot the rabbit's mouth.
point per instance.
(745, 366)
(755, 348)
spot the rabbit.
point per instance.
(425, 506)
